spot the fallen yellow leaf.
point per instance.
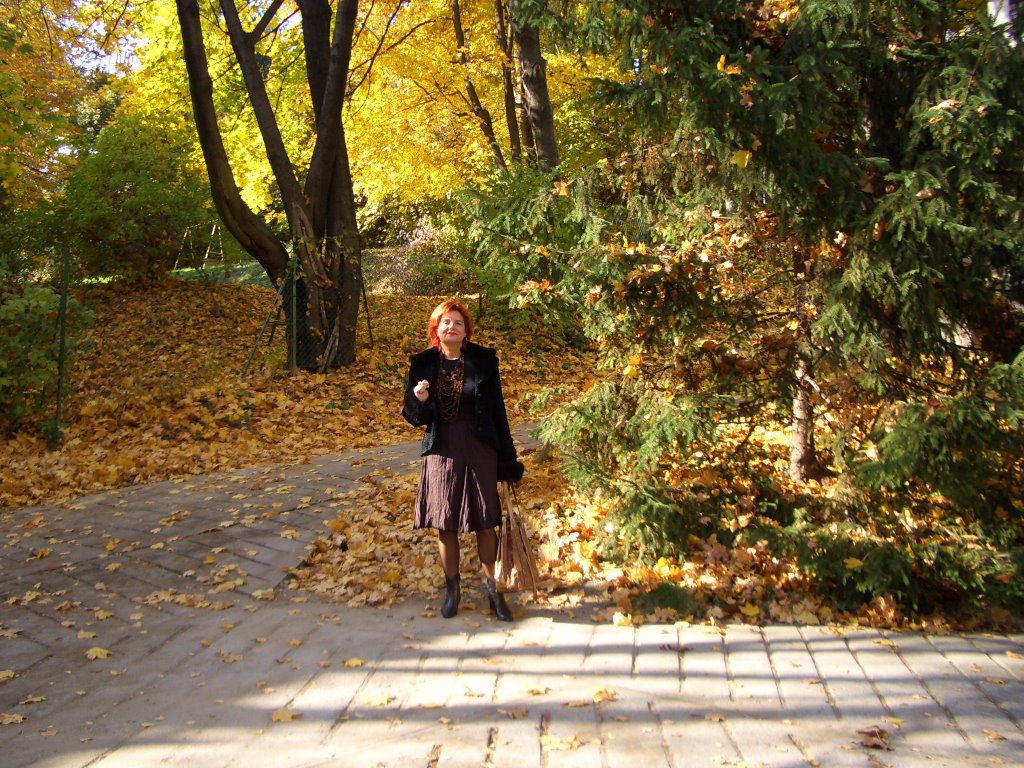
(96, 653)
(553, 743)
(603, 694)
(284, 715)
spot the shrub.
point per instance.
(29, 348)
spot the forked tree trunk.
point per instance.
(321, 212)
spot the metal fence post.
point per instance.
(55, 433)
(293, 318)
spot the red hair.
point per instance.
(435, 319)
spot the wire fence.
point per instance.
(288, 311)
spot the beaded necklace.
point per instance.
(449, 390)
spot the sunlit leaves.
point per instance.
(740, 158)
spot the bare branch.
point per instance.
(264, 22)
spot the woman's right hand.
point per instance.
(421, 391)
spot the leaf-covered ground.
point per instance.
(157, 394)
(157, 391)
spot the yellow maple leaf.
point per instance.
(852, 563)
(354, 662)
(380, 700)
(747, 609)
(284, 715)
(96, 653)
(11, 719)
(741, 157)
(552, 743)
(603, 694)
(727, 69)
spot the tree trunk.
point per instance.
(803, 457)
(321, 213)
(251, 231)
(483, 116)
(540, 112)
(803, 461)
(507, 46)
(329, 183)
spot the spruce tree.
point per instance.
(814, 215)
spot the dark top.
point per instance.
(481, 387)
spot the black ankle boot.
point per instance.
(501, 610)
(452, 595)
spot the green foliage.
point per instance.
(431, 260)
(129, 203)
(667, 596)
(529, 232)
(834, 183)
(921, 573)
(29, 348)
(956, 444)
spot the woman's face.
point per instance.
(451, 329)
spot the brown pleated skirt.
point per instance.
(458, 488)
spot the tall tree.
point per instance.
(813, 204)
(321, 209)
(483, 115)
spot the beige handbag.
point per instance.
(516, 567)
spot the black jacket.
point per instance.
(490, 421)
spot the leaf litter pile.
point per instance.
(156, 394)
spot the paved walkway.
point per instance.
(137, 629)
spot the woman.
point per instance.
(454, 390)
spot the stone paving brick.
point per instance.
(197, 671)
(800, 688)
